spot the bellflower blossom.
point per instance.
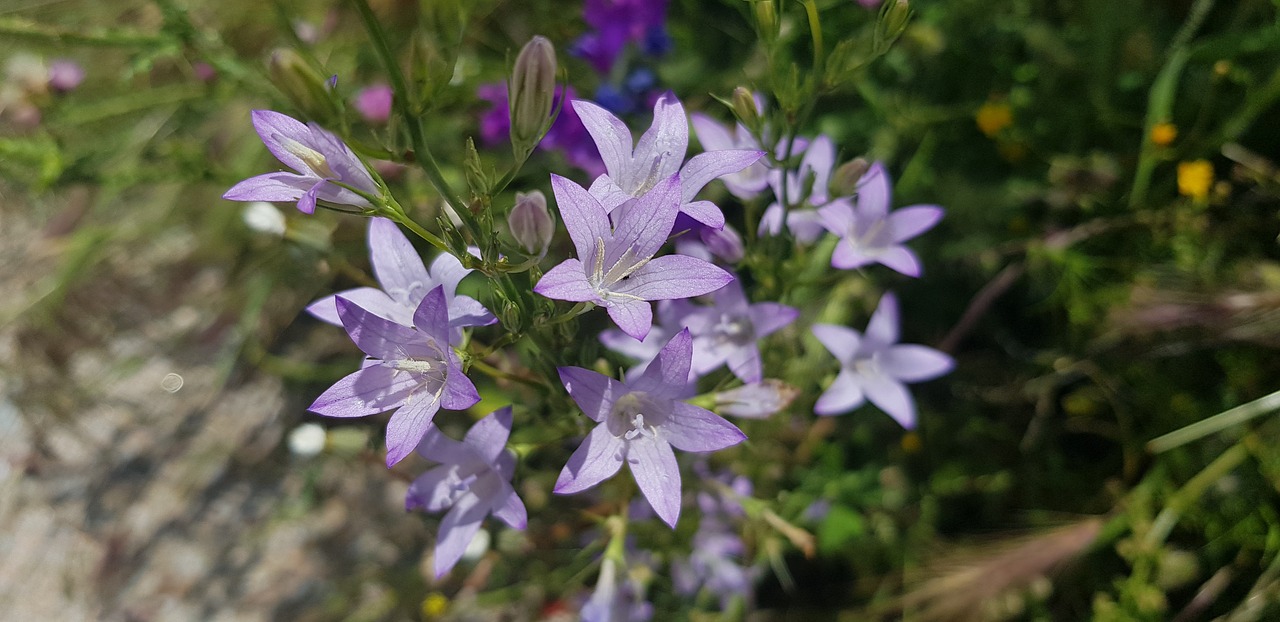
(616, 600)
(631, 173)
(869, 233)
(813, 175)
(727, 332)
(873, 366)
(405, 281)
(616, 267)
(318, 157)
(472, 480)
(746, 183)
(414, 372)
(639, 423)
(671, 314)
(617, 23)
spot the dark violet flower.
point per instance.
(319, 158)
(374, 103)
(472, 481)
(617, 23)
(805, 186)
(639, 423)
(413, 372)
(616, 267)
(405, 282)
(727, 332)
(869, 233)
(873, 366)
(657, 156)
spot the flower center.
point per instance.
(312, 158)
(628, 419)
(735, 329)
(430, 373)
(626, 265)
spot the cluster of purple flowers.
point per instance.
(411, 329)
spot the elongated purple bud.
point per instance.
(531, 223)
(532, 90)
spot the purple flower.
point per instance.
(405, 282)
(412, 371)
(317, 156)
(727, 332)
(616, 23)
(671, 314)
(656, 157)
(639, 423)
(869, 233)
(806, 185)
(614, 601)
(472, 480)
(567, 134)
(709, 243)
(873, 366)
(65, 75)
(374, 103)
(746, 183)
(714, 564)
(616, 267)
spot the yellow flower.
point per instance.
(994, 116)
(1195, 178)
(434, 605)
(911, 443)
(1163, 134)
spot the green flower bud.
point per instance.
(893, 19)
(532, 92)
(744, 107)
(767, 22)
(530, 222)
(305, 88)
(845, 180)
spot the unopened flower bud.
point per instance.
(893, 19)
(532, 90)
(724, 243)
(845, 180)
(303, 85)
(746, 108)
(531, 223)
(766, 14)
(65, 75)
(756, 400)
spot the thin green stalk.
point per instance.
(1217, 423)
(18, 28)
(1191, 492)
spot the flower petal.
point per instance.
(408, 425)
(598, 458)
(643, 225)
(901, 259)
(372, 300)
(456, 531)
(660, 150)
(467, 311)
(510, 509)
(368, 391)
(874, 191)
(704, 167)
(848, 256)
(844, 395)
(583, 216)
(909, 222)
(712, 135)
(770, 317)
(705, 212)
(593, 392)
(654, 467)
(913, 363)
(840, 341)
(489, 435)
(271, 187)
(436, 446)
(837, 216)
(611, 197)
(432, 491)
(892, 397)
(668, 374)
(378, 337)
(882, 328)
(396, 262)
(634, 317)
(744, 361)
(276, 130)
(611, 136)
(432, 317)
(567, 281)
(458, 393)
(448, 271)
(690, 428)
(672, 277)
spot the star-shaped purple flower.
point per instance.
(317, 156)
(472, 480)
(746, 183)
(656, 157)
(873, 366)
(727, 332)
(805, 185)
(870, 233)
(616, 267)
(405, 282)
(639, 423)
(414, 372)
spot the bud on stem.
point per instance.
(532, 92)
(530, 222)
(303, 85)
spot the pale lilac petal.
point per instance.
(276, 129)
(407, 425)
(583, 216)
(844, 395)
(510, 509)
(661, 148)
(671, 277)
(307, 203)
(913, 363)
(909, 222)
(892, 397)
(593, 392)
(629, 346)
(711, 134)
(467, 311)
(654, 467)
(705, 212)
(805, 225)
(447, 270)
(847, 256)
(608, 193)
(745, 363)
(372, 300)
(840, 341)
(458, 392)
(456, 531)
(271, 187)
(837, 216)
(882, 328)
(341, 160)
(670, 369)
(396, 262)
(432, 316)
(770, 221)
(378, 337)
(634, 317)
(368, 391)
(598, 458)
(611, 136)
(643, 225)
(770, 317)
(489, 435)
(874, 192)
(697, 429)
(704, 167)
(567, 281)
(819, 159)
(436, 446)
(432, 491)
(901, 259)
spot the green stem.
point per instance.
(1191, 492)
(815, 29)
(1216, 423)
(18, 28)
(431, 238)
